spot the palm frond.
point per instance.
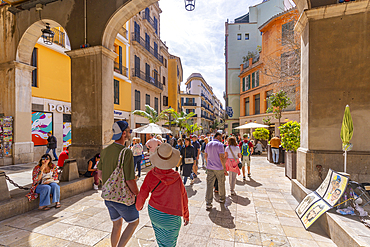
(143, 114)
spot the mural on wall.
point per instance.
(67, 135)
(42, 123)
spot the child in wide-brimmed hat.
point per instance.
(169, 200)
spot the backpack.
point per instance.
(245, 149)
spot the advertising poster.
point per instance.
(324, 198)
(42, 123)
(67, 135)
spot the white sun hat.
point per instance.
(165, 157)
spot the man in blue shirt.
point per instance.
(215, 156)
(196, 146)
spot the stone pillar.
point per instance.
(334, 73)
(92, 102)
(15, 100)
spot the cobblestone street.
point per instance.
(261, 214)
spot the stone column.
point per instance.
(92, 102)
(334, 73)
(15, 101)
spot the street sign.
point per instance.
(229, 111)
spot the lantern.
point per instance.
(189, 5)
(47, 35)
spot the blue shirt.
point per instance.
(213, 150)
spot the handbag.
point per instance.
(188, 160)
(239, 164)
(115, 188)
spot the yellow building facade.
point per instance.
(51, 88)
(175, 78)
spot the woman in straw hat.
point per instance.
(168, 200)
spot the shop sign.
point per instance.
(59, 108)
(121, 115)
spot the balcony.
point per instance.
(190, 104)
(145, 77)
(59, 37)
(120, 69)
(150, 20)
(136, 37)
(206, 107)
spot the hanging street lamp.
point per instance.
(47, 35)
(189, 5)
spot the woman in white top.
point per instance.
(232, 155)
(137, 151)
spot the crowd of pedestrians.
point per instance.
(175, 160)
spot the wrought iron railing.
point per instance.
(147, 17)
(119, 68)
(146, 77)
(59, 37)
(136, 37)
(190, 104)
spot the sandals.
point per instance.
(44, 208)
(57, 205)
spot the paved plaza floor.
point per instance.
(261, 214)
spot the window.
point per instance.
(243, 84)
(156, 104)
(257, 104)
(287, 32)
(253, 80)
(246, 103)
(116, 92)
(164, 81)
(147, 42)
(137, 31)
(247, 36)
(120, 59)
(147, 99)
(155, 25)
(155, 50)
(248, 83)
(239, 36)
(165, 63)
(137, 66)
(165, 101)
(257, 78)
(34, 64)
(137, 100)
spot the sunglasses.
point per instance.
(45, 158)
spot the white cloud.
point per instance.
(198, 37)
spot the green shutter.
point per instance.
(243, 84)
(257, 78)
(249, 82)
(253, 80)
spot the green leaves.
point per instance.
(151, 114)
(190, 129)
(261, 134)
(278, 101)
(290, 135)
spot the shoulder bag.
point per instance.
(239, 164)
(115, 188)
(188, 160)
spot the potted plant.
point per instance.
(290, 141)
(261, 134)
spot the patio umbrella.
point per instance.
(151, 128)
(346, 134)
(252, 126)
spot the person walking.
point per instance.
(188, 160)
(172, 141)
(52, 145)
(196, 146)
(202, 152)
(215, 155)
(137, 150)
(275, 144)
(92, 170)
(45, 182)
(232, 156)
(179, 146)
(108, 163)
(246, 148)
(152, 143)
(168, 200)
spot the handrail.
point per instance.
(119, 68)
(145, 77)
(150, 20)
(136, 37)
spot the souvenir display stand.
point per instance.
(6, 140)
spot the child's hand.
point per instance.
(186, 222)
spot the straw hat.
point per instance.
(165, 157)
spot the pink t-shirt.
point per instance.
(152, 144)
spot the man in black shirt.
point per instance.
(52, 145)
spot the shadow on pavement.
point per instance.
(253, 183)
(243, 201)
(190, 191)
(222, 217)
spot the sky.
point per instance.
(198, 37)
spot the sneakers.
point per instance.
(96, 187)
(221, 201)
(249, 175)
(209, 206)
(244, 179)
(233, 193)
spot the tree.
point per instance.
(249, 55)
(215, 124)
(279, 102)
(191, 128)
(291, 136)
(151, 114)
(261, 134)
(179, 119)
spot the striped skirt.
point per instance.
(166, 227)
